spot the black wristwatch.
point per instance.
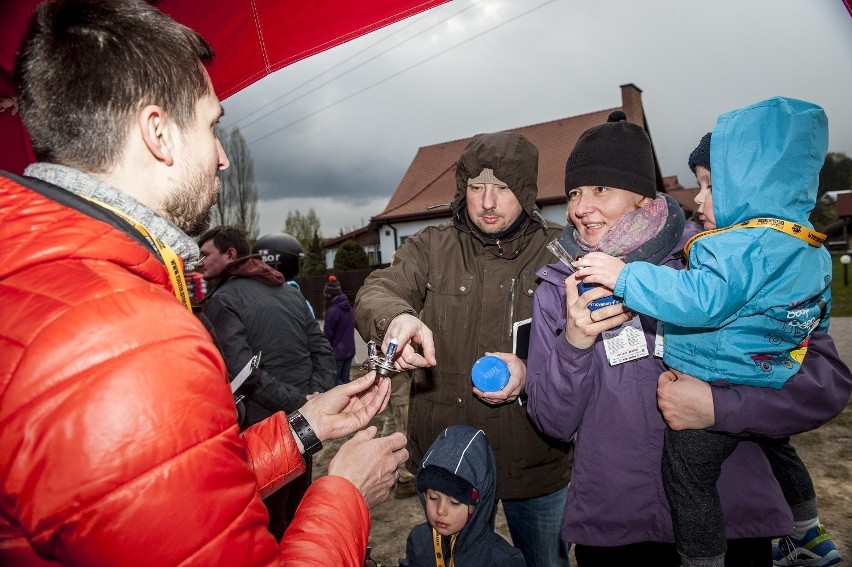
(305, 433)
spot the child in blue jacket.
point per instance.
(456, 484)
(744, 309)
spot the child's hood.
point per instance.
(765, 161)
(464, 451)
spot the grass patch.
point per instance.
(841, 295)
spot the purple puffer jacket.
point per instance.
(617, 495)
(339, 327)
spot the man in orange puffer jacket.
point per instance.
(117, 425)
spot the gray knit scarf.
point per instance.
(85, 185)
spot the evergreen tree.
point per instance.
(314, 264)
(350, 256)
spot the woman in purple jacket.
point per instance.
(592, 373)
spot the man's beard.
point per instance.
(182, 205)
(488, 229)
(493, 232)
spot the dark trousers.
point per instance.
(692, 463)
(282, 503)
(344, 368)
(741, 553)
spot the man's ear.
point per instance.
(231, 253)
(156, 131)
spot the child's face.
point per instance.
(447, 515)
(704, 199)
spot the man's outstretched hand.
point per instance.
(348, 407)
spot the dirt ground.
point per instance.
(826, 451)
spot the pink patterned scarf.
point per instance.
(632, 230)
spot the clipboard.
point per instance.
(245, 372)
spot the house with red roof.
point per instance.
(425, 192)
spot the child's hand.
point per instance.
(600, 268)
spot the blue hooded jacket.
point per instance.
(464, 451)
(745, 308)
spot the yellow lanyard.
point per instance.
(439, 550)
(174, 264)
(812, 237)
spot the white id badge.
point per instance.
(625, 343)
(659, 340)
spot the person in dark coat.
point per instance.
(456, 484)
(457, 291)
(252, 310)
(339, 328)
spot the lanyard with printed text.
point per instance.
(439, 550)
(174, 265)
(810, 236)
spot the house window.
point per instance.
(373, 254)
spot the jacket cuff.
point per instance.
(273, 453)
(382, 323)
(569, 353)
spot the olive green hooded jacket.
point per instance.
(469, 289)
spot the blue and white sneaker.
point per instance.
(814, 550)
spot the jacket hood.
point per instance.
(765, 161)
(514, 160)
(252, 266)
(464, 451)
(341, 302)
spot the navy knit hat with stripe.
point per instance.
(442, 480)
(701, 154)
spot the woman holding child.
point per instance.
(588, 375)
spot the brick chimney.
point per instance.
(631, 103)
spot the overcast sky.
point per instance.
(337, 131)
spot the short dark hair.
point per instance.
(87, 65)
(225, 237)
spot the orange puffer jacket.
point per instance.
(117, 428)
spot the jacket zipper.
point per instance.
(511, 305)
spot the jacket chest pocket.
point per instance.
(447, 306)
(524, 291)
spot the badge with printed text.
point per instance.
(625, 343)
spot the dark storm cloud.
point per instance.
(346, 137)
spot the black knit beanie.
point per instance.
(701, 154)
(615, 154)
(442, 480)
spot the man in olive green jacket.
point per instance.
(471, 280)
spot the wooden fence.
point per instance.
(350, 282)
